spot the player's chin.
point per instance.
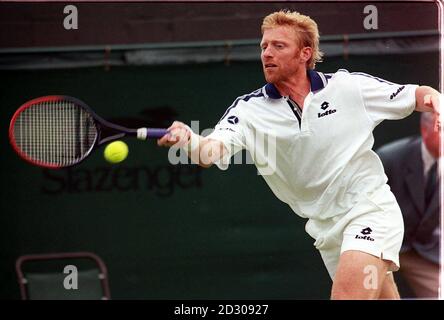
(269, 77)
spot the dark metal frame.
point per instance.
(103, 275)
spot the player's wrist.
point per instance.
(193, 141)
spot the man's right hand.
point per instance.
(178, 135)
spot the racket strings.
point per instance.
(55, 132)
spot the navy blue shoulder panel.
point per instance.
(255, 94)
(372, 77)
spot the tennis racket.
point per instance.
(61, 131)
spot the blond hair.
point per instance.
(306, 28)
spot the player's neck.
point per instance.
(297, 88)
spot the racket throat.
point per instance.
(108, 134)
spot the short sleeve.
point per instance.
(230, 131)
(385, 100)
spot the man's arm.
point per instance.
(200, 150)
(427, 99)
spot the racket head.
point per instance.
(53, 131)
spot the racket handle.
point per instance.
(145, 133)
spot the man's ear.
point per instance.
(306, 54)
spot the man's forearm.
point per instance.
(205, 152)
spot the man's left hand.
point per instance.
(433, 101)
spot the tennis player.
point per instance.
(324, 169)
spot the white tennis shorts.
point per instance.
(374, 225)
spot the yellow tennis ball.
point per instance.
(116, 152)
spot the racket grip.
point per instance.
(145, 133)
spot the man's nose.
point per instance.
(267, 52)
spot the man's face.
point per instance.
(431, 138)
(281, 55)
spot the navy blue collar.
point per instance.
(316, 83)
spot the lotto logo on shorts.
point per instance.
(365, 232)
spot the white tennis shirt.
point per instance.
(319, 161)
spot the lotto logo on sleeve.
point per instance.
(233, 119)
(394, 94)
